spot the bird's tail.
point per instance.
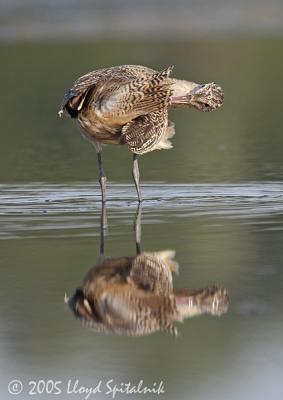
(211, 300)
(206, 97)
(167, 258)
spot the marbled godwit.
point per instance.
(129, 105)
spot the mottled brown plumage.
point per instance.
(129, 105)
(135, 296)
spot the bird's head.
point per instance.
(218, 301)
(207, 97)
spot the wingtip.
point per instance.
(170, 69)
(66, 298)
(166, 72)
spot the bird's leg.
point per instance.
(136, 176)
(102, 177)
(103, 217)
(137, 227)
(103, 226)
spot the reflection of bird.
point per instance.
(135, 295)
(129, 105)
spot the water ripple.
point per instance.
(40, 206)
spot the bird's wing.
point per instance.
(144, 132)
(124, 71)
(123, 101)
(133, 71)
(81, 85)
(152, 272)
(91, 79)
(137, 312)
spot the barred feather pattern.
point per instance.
(129, 104)
(136, 97)
(135, 296)
(104, 74)
(153, 271)
(144, 133)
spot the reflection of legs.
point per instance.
(103, 226)
(102, 176)
(136, 176)
(137, 226)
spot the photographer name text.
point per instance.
(73, 387)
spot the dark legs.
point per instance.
(103, 180)
(137, 227)
(103, 226)
(102, 177)
(136, 176)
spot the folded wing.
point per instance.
(119, 102)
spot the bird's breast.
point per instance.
(95, 128)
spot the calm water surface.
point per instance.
(216, 199)
(228, 235)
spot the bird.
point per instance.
(128, 104)
(135, 295)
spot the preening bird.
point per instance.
(134, 295)
(129, 104)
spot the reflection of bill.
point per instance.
(135, 295)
